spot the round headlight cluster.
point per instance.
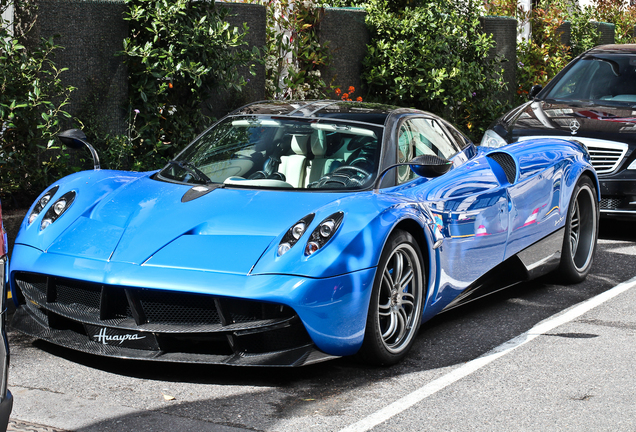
(319, 237)
(41, 203)
(57, 209)
(294, 234)
(323, 232)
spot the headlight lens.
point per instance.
(632, 166)
(294, 234)
(492, 139)
(57, 209)
(323, 233)
(41, 203)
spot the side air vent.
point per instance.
(507, 163)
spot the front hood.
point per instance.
(558, 119)
(138, 220)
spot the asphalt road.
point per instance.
(484, 366)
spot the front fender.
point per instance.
(369, 219)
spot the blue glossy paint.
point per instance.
(130, 230)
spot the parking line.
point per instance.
(468, 368)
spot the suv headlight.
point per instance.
(492, 139)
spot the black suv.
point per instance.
(593, 101)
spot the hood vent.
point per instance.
(507, 163)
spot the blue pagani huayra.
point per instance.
(293, 232)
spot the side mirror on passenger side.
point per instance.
(534, 91)
(424, 166)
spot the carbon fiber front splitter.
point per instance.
(26, 323)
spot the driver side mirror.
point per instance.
(534, 91)
(76, 139)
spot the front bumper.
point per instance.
(618, 196)
(181, 315)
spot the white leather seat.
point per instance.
(294, 166)
(319, 165)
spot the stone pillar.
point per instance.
(91, 32)
(607, 31)
(345, 32)
(255, 16)
(566, 33)
(504, 32)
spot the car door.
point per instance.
(469, 204)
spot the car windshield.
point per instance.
(281, 152)
(608, 79)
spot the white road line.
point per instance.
(433, 387)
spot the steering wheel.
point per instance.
(364, 172)
(342, 177)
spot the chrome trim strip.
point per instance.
(617, 211)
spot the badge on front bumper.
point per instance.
(122, 338)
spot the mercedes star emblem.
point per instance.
(574, 126)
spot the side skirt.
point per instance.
(537, 260)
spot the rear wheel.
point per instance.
(395, 310)
(581, 233)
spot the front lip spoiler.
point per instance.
(298, 356)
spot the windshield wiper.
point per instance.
(194, 171)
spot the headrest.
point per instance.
(300, 144)
(318, 144)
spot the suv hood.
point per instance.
(571, 121)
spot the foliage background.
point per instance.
(32, 101)
(424, 54)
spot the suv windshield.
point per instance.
(605, 79)
(281, 152)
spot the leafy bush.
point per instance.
(621, 15)
(179, 53)
(32, 101)
(541, 57)
(544, 55)
(433, 57)
(294, 56)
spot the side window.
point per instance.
(460, 139)
(421, 136)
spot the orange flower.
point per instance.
(345, 96)
(352, 89)
(338, 91)
(170, 85)
(359, 99)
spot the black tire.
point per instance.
(581, 233)
(395, 310)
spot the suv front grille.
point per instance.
(606, 155)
